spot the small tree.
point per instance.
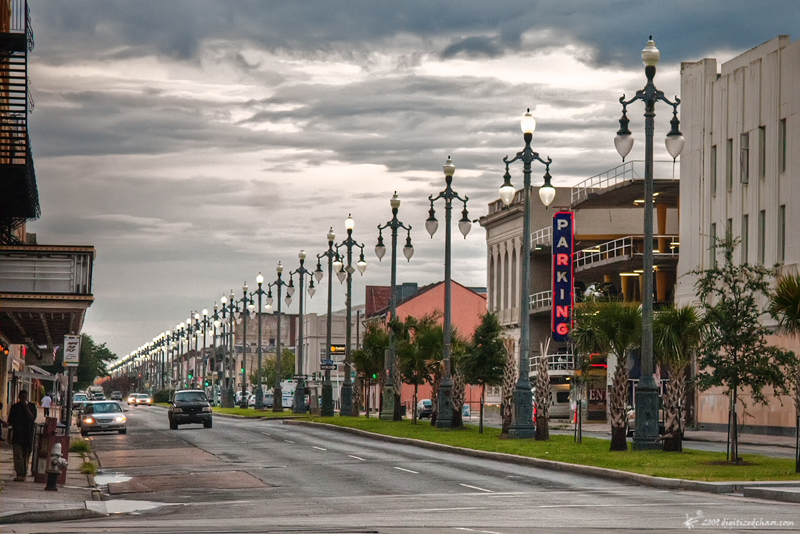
(269, 368)
(676, 336)
(411, 362)
(734, 352)
(369, 359)
(484, 364)
(785, 308)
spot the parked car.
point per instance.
(424, 409)
(132, 398)
(116, 395)
(143, 399)
(189, 406)
(103, 416)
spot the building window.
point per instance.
(745, 237)
(714, 170)
(514, 295)
(729, 164)
(744, 158)
(782, 233)
(506, 284)
(782, 145)
(762, 235)
(713, 245)
(762, 152)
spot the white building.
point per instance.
(739, 173)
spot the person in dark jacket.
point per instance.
(22, 420)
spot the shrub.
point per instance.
(88, 468)
(79, 445)
(162, 395)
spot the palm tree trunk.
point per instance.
(483, 396)
(674, 408)
(617, 404)
(414, 415)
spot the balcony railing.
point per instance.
(555, 362)
(541, 301)
(630, 170)
(499, 205)
(625, 247)
(543, 236)
(17, 16)
(46, 270)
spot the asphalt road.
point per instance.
(258, 476)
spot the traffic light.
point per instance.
(191, 375)
(241, 370)
(374, 376)
(207, 382)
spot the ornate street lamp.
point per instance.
(522, 405)
(327, 388)
(342, 271)
(391, 398)
(646, 433)
(245, 311)
(444, 399)
(299, 391)
(259, 389)
(277, 391)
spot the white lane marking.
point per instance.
(407, 470)
(266, 433)
(476, 488)
(318, 448)
(288, 441)
(620, 505)
(356, 457)
(450, 509)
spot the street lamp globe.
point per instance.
(362, 264)
(318, 272)
(507, 191)
(650, 54)
(464, 225)
(408, 250)
(196, 316)
(674, 144)
(302, 255)
(279, 268)
(331, 235)
(349, 223)
(288, 300)
(205, 314)
(260, 278)
(380, 248)
(311, 289)
(431, 224)
(547, 193)
(338, 264)
(528, 123)
(290, 288)
(395, 201)
(449, 168)
(224, 300)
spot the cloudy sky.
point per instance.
(195, 143)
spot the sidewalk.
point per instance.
(27, 502)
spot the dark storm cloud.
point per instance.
(613, 31)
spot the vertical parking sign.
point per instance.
(563, 273)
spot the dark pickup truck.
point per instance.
(189, 406)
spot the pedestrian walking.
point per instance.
(22, 420)
(47, 401)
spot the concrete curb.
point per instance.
(772, 494)
(588, 470)
(45, 516)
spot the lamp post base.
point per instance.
(299, 398)
(259, 398)
(327, 400)
(277, 399)
(522, 426)
(230, 397)
(346, 408)
(387, 408)
(645, 436)
(444, 401)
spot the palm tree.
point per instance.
(677, 333)
(484, 363)
(611, 328)
(412, 364)
(785, 308)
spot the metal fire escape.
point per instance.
(19, 197)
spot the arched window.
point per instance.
(514, 295)
(506, 302)
(491, 285)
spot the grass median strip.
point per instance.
(690, 464)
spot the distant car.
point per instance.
(143, 399)
(116, 395)
(78, 400)
(424, 409)
(189, 406)
(98, 396)
(132, 398)
(103, 416)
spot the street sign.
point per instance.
(328, 367)
(326, 362)
(299, 377)
(72, 351)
